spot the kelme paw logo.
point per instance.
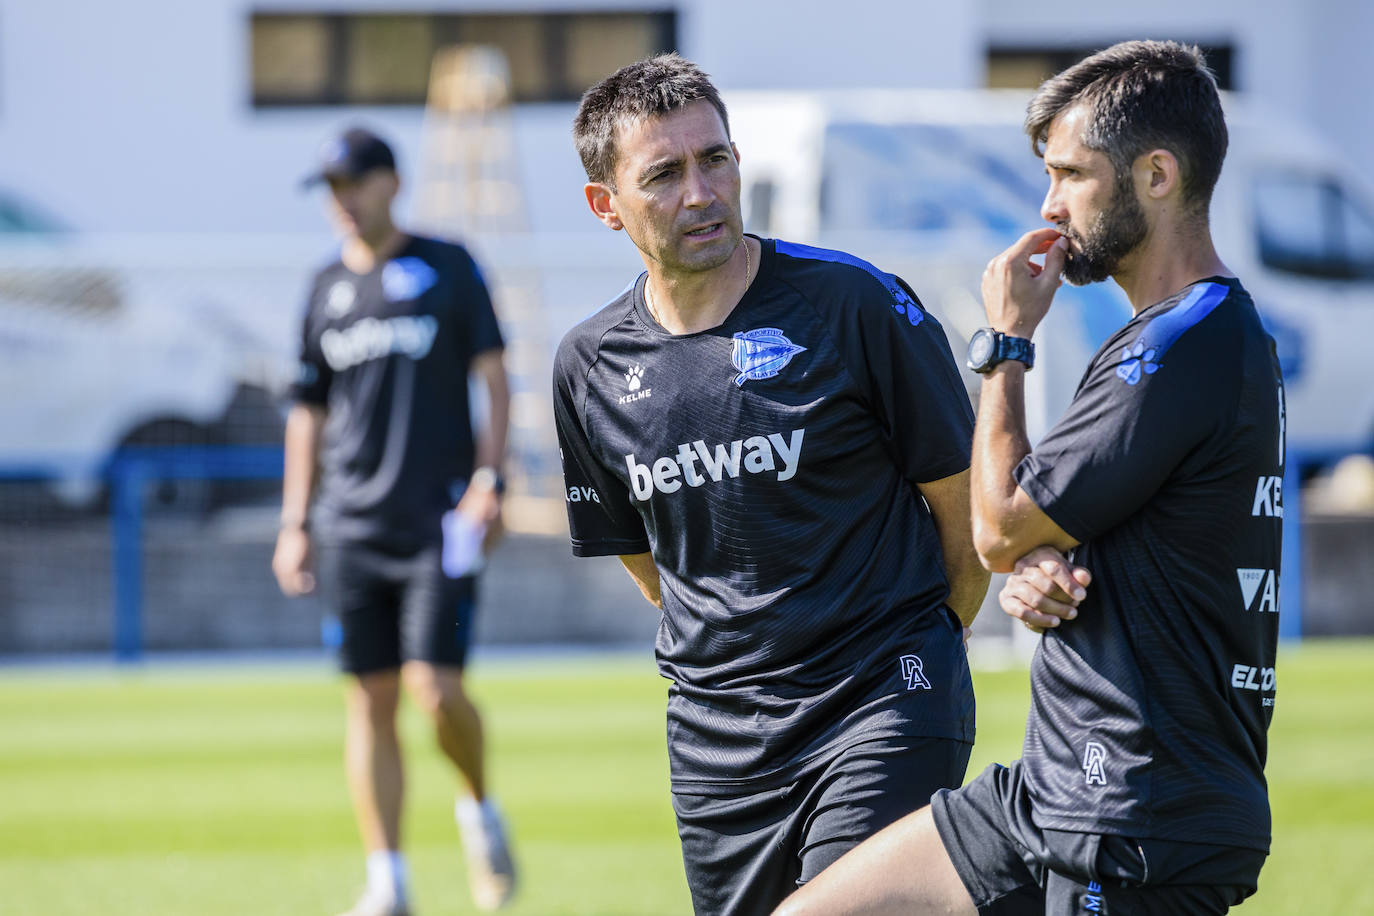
(1135, 361)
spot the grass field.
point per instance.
(199, 791)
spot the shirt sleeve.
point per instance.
(601, 519)
(1129, 427)
(902, 360)
(313, 375)
(481, 330)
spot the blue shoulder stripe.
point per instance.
(1159, 334)
(1146, 355)
(902, 301)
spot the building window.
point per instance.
(384, 59)
(1028, 67)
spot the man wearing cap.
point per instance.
(393, 329)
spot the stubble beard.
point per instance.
(1114, 233)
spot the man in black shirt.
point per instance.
(1141, 787)
(774, 440)
(392, 331)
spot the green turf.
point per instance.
(219, 790)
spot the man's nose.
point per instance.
(697, 191)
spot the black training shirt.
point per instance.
(388, 354)
(771, 466)
(1149, 711)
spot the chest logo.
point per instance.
(407, 278)
(762, 353)
(339, 301)
(634, 381)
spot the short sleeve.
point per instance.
(313, 375)
(1129, 427)
(482, 332)
(901, 357)
(601, 519)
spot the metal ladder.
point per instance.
(470, 189)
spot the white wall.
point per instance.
(1309, 58)
(136, 115)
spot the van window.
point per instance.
(1309, 225)
(929, 178)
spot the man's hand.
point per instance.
(1043, 589)
(292, 562)
(483, 506)
(1017, 292)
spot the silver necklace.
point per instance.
(649, 299)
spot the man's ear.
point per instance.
(1157, 174)
(602, 201)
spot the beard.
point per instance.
(1114, 233)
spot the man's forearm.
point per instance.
(303, 425)
(948, 502)
(968, 586)
(491, 444)
(644, 572)
(999, 444)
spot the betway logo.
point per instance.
(755, 455)
(371, 338)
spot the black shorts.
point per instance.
(1012, 867)
(745, 852)
(396, 607)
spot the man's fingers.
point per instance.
(1037, 241)
(1065, 586)
(1013, 606)
(1031, 596)
(1055, 256)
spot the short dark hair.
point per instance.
(644, 89)
(1142, 95)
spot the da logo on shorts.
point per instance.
(762, 353)
(1094, 758)
(913, 673)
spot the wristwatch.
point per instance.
(488, 478)
(987, 348)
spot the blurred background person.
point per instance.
(392, 331)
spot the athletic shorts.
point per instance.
(744, 853)
(1011, 867)
(396, 607)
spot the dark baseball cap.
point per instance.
(352, 154)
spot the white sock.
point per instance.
(469, 811)
(386, 874)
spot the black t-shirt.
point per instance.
(770, 464)
(1149, 711)
(388, 353)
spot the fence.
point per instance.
(151, 566)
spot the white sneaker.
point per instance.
(372, 903)
(491, 871)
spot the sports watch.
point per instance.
(987, 348)
(488, 478)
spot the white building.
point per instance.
(201, 116)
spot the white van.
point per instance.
(107, 341)
(932, 184)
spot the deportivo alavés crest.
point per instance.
(762, 353)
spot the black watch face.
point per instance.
(980, 348)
